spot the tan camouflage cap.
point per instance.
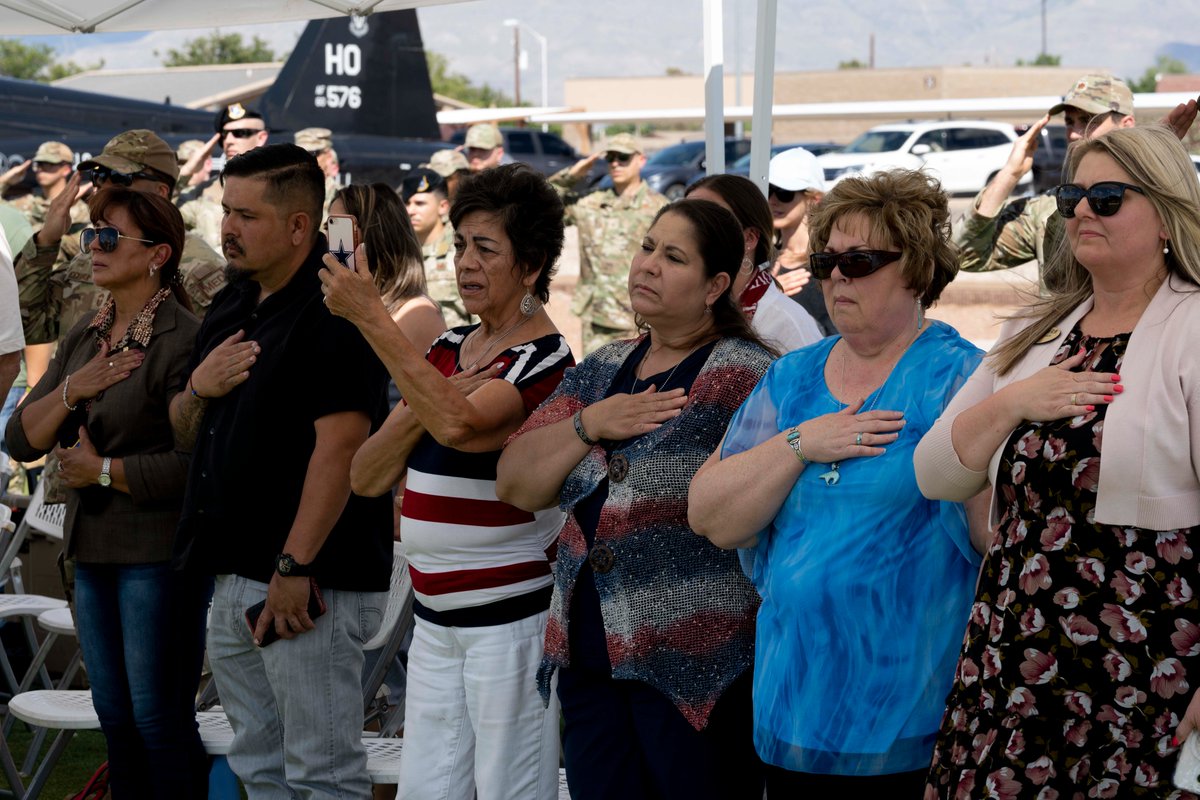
(447, 162)
(622, 143)
(54, 153)
(133, 151)
(1098, 93)
(315, 140)
(188, 149)
(485, 136)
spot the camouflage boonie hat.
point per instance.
(54, 153)
(314, 140)
(133, 151)
(1098, 93)
(623, 143)
(485, 136)
(447, 162)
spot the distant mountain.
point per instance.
(1187, 53)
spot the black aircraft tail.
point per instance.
(356, 75)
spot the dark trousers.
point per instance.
(626, 740)
(784, 784)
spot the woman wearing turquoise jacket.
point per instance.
(865, 583)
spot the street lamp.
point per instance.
(516, 23)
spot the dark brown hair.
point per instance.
(157, 220)
(750, 208)
(392, 248)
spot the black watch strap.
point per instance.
(288, 567)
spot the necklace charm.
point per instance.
(831, 477)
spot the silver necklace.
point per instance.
(487, 348)
(671, 374)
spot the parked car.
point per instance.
(742, 165)
(963, 155)
(673, 169)
(1049, 158)
(545, 152)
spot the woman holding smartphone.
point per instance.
(102, 407)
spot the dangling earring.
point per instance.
(747, 264)
(1167, 247)
(920, 314)
(529, 306)
(153, 269)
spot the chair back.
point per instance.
(400, 599)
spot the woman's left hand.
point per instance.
(79, 466)
(350, 293)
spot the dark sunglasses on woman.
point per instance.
(784, 195)
(109, 238)
(1103, 198)
(852, 263)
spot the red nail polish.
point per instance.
(1108, 398)
(1118, 388)
(1174, 741)
(1116, 378)
(1090, 408)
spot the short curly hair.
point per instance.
(905, 207)
(528, 208)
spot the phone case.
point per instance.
(1187, 768)
(316, 607)
(342, 232)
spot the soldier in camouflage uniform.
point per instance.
(993, 235)
(319, 142)
(451, 165)
(56, 286)
(611, 224)
(51, 166)
(424, 193)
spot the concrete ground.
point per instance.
(973, 303)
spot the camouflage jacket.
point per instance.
(611, 228)
(55, 297)
(202, 216)
(1024, 230)
(441, 283)
(34, 206)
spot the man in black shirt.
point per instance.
(280, 396)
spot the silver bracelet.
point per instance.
(793, 440)
(66, 385)
(580, 432)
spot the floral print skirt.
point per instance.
(1083, 647)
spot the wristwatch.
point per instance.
(288, 567)
(105, 478)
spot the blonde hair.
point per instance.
(1157, 162)
(905, 207)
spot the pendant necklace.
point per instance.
(671, 374)
(487, 345)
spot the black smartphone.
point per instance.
(316, 607)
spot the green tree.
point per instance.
(1042, 60)
(219, 48)
(35, 62)
(460, 87)
(1164, 65)
(853, 63)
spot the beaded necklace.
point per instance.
(140, 329)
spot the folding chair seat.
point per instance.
(62, 710)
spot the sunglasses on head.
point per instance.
(852, 263)
(1103, 198)
(784, 195)
(102, 175)
(618, 158)
(240, 133)
(108, 237)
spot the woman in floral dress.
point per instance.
(1081, 655)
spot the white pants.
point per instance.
(473, 720)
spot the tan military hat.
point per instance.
(133, 151)
(54, 153)
(447, 162)
(485, 136)
(314, 140)
(622, 143)
(188, 149)
(1098, 93)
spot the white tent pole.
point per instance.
(714, 87)
(764, 91)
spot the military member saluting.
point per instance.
(484, 147)
(51, 169)
(424, 194)
(611, 224)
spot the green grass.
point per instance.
(84, 753)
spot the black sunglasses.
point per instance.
(102, 175)
(109, 238)
(784, 195)
(49, 166)
(1104, 198)
(852, 263)
(618, 158)
(241, 133)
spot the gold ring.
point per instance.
(1074, 397)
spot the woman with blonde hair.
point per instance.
(1079, 663)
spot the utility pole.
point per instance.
(516, 65)
(1044, 51)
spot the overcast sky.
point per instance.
(587, 38)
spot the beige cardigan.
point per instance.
(1151, 446)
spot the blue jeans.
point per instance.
(296, 706)
(141, 627)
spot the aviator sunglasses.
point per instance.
(1103, 198)
(852, 263)
(109, 238)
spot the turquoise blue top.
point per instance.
(866, 585)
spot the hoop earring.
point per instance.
(747, 264)
(529, 306)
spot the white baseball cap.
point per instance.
(796, 170)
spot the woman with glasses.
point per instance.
(865, 584)
(1080, 662)
(786, 325)
(796, 186)
(102, 408)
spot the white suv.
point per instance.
(963, 155)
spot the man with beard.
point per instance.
(274, 375)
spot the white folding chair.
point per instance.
(57, 709)
(396, 623)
